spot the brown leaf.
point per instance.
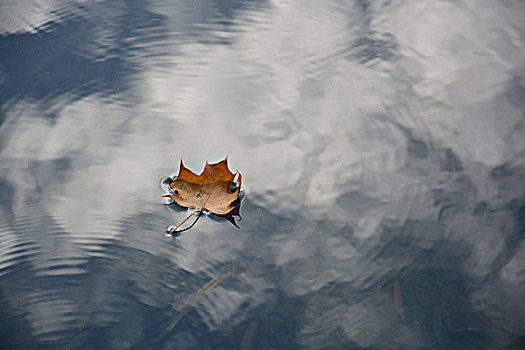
(211, 190)
(398, 300)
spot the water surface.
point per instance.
(382, 151)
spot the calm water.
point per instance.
(382, 148)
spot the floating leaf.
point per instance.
(214, 190)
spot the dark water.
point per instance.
(382, 147)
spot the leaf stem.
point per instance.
(183, 221)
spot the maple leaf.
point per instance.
(213, 190)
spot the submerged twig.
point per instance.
(194, 300)
(246, 343)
